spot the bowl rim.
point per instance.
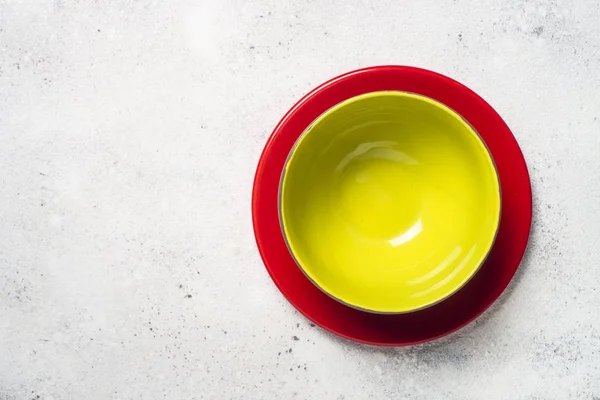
(438, 104)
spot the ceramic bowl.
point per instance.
(389, 202)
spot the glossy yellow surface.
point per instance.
(389, 202)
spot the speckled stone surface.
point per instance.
(129, 134)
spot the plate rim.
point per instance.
(371, 72)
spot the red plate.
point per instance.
(469, 302)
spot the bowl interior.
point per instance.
(389, 202)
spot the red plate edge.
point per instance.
(460, 309)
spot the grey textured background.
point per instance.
(129, 134)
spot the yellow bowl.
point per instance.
(389, 202)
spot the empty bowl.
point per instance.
(389, 202)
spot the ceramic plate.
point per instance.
(462, 307)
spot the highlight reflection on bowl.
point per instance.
(389, 202)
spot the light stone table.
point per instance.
(129, 135)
